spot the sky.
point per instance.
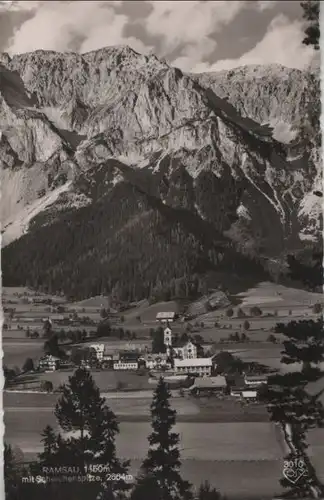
(193, 35)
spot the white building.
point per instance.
(155, 361)
(255, 380)
(252, 395)
(126, 365)
(187, 350)
(49, 363)
(100, 350)
(165, 317)
(202, 366)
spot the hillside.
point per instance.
(125, 175)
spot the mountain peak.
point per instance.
(198, 151)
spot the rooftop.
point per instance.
(181, 343)
(256, 378)
(178, 363)
(165, 315)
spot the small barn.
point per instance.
(209, 385)
(166, 317)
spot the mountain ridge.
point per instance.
(170, 136)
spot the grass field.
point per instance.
(16, 354)
(199, 441)
(134, 406)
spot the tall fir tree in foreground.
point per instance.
(290, 403)
(160, 477)
(12, 474)
(81, 411)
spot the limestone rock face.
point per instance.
(238, 149)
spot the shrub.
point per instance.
(47, 386)
(241, 313)
(255, 311)
(317, 308)
(229, 312)
(28, 365)
(272, 339)
(246, 325)
(120, 385)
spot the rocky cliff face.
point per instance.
(74, 128)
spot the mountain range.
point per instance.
(121, 174)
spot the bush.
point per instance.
(246, 325)
(272, 339)
(28, 365)
(241, 313)
(47, 386)
(255, 311)
(317, 308)
(229, 312)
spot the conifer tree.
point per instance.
(11, 474)
(49, 440)
(207, 492)
(160, 471)
(311, 14)
(289, 402)
(81, 409)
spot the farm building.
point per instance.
(128, 356)
(209, 384)
(237, 391)
(125, 365)
(155, 361)
(108, 361)
(57, 317)
(255, 380)
(99, 349)
(201, 366)
(250, 394)
(166, 317)
(51, 363)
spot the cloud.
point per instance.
(58, 25)
(282, 44)
(187, 27)
(263, 5)
(18, 6)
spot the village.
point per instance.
(187, 362)
(214, 365)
